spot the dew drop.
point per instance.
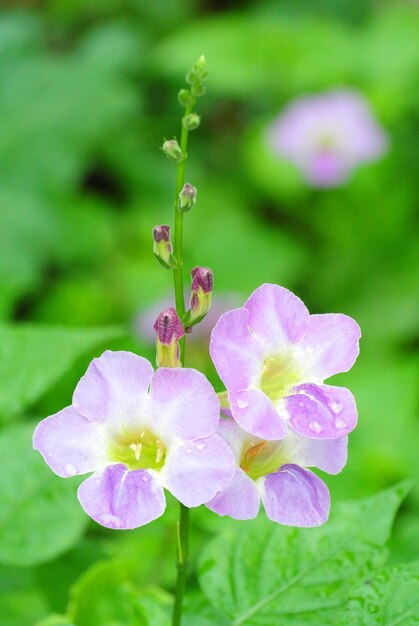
(242, 404)
(336, 407)
(315, 427)
(309, 349)
(188, 450)
(201, 446)
(301, 404)
(111, 521)
(145, 478)
(49, 454)
(340, 423)
(70, 469)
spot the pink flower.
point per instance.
(327, 136)
(138, 431)
(273, 357)
(274, 472)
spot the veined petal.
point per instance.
(114, 388)
(236, 353)
(253, 410)
(321, 411)
(69, 443)
(330, 346)
(329, 455)
(296, 497)
(183, 403)
(277, 316)
(240, 499)
(197, 470)
(119, 498)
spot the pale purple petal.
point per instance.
(184, 403)
(277, 316)
(329, 455)
(331, 345)
(235, 436)
(197, 470)
(296, 497)
(237, 355)
(253, 410)
(114, 387)
(326, 169)
(240, 499)
(321, 411)
(119, 498)
(69, 443)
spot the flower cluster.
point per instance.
(141, 431)
(327, 135)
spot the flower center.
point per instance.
(278, 377)
(259, 459)
(137, 449)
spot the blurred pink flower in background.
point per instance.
(326, 136)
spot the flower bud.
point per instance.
(186, 98)
(187, 198)
(198, 90)
(169, 331)
(191, 121)
(172, 150)
(162, 246)
(201, 294)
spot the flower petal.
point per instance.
(240, 499)
(197, 470)
(183, 403)
(253, 410)
(296, 497)
(119, 498)
(329, 455)
(236, 353)
(277, 316)
(321, 411)
(330, 346)
(69, 443)
(114, 387)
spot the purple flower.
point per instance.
(273, 357)
(274, 471)
(138, 431)
(327, 135)
(169, 330)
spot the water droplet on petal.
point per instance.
(111, 521)
(201, 446)
(309, 349)
(340, 423)
(70, 469)
(145, 478)
(336, 407)
(315, 427)
(188, 450)
(242, 404)
(301, 404)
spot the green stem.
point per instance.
(183, 524)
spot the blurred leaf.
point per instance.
(106, 596)
(390, 597)
(40, 516)
(266, 570)
(33, 358)
(55, 620)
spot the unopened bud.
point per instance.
(191, 121)
(201, 294)
(172, 150)
(187, 198)
(169, 331)
(198, 90)
(186, 98)
(162, 246)
(198, 71)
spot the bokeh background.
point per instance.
(87, 94)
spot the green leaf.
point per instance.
(55, 620)
(266, 570)
(390, 598)
(33, 358)
(106, 596)
(40, 516)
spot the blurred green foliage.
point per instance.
(87, 94)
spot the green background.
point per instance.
(87, 95)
